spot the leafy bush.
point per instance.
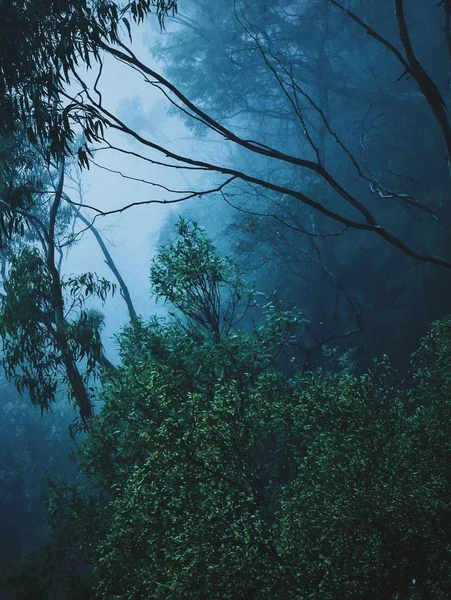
(211, 474)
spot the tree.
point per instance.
(50, 337)
(210, 474)
(335, 198)
(348, 283)
(41, 344)
(190, 274)
(43, 331)
(85, 33)
(42, 44)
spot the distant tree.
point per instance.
(349, 283)
(335, 176)
(33, 449)
(57, 45)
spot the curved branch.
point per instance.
(424, 81)
(110, 262)
(77, 385)
(370, 225)
(412, 66)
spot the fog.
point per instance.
(310, 142)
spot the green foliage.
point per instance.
(30, 331)
(22, 177)
(25, 323)
(217, 479)
(210, 474)
(198, 420)
(42, 44)
(205, 288)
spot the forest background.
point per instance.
(307, 147)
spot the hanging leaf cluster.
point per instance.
(32, 351)
(41, 44)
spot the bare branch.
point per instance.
(281, 221)
(412, 66)
(189, 196)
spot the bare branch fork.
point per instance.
(369, 222)
(290, 83)
(412, 66)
